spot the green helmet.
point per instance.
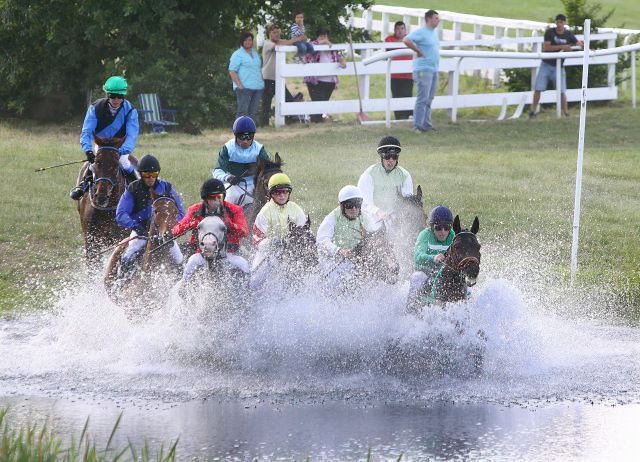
(116, 84)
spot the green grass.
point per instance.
(517, 176)
(626, 15)
(33, 443)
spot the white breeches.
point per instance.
(197, 261)
(238, 193)
(137, 245)
(416, 281)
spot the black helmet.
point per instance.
(212, 186)
(389, 144)
(149, 164)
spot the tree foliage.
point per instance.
(57, 52)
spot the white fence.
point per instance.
(453, 62)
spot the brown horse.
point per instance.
(97, 208)
(460, 269)
(156, 254)
(264, 170)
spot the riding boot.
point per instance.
(131, 177)
(125, 269)
(77, 192)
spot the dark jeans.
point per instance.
(320, 92)
(267, 97)
(248, 102)
(402, 88)
(303, 47)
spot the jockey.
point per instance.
(213, 194)
(431, 246)
(134, 210)
(272, 223)
(110, 117)
(381, 183)
(236, 159)
(342, 230)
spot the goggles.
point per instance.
(149, 174)
(390, 155)
(215, 196)
(442, 227)
(115, 96)
(352, 204)
(280, 190)
(245, 136)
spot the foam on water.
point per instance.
(310, 343)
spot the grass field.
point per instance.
(626, 14)
(518, 176)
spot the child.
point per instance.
(298, 33)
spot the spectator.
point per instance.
(321, 87)
(401, 84)
(269, 72)
(555, 40)
(299, 36)
(245, 71)
(425, 43)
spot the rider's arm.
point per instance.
(133, 129)
(407, 186)
(88, 127)
(422, 255)
(259, 231)
(325, 234)
(237, 220)
(123, 212)
(187, 222)
(365, 183)
(219, 172)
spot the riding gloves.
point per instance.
(91, 157)
(233, 180)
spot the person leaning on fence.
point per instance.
(134, 211)
(110, 117)
(382, 182)
(237, 160)
(245, 69)
(401, 84)
(299, 37)
(269, 73)
(424, 41)
(213, 202)
(321, 87)
(556, 39)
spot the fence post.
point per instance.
(633, 79)
(385, 25)
(387, 92)
(498, 32)
(281, 61)
(558, 88)
(456, 89)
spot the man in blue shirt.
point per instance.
(110, 117)
(425, 43)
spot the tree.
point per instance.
(59, 51)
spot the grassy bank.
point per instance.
(518, 176)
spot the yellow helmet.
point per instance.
(279, 180)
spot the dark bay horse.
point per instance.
(264, 170)
(97, 208)
(156, 259)
(460, 269)
(375, 258)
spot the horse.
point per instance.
(156, 259)
(375, 258)
(408, 220)
(264, 170)
(97, 207)
(460, 268)
(295, 257)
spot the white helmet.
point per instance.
(350, 192)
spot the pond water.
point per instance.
(502, 376)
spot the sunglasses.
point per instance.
(245, 136)
(390, 155)
(352, 204)
(442, 227)
(280, 191)
(216, 196)
(149, 174)
(115, 96)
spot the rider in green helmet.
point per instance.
(109, 117)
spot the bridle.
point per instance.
(459, 265)
(113, 183)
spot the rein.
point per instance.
(113, 183)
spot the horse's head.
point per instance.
(300, 244)
(265, 170)
(212, 237)
(464, 252)
(410, 212)
(165, 214)
(105, 172)
(113, 142)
